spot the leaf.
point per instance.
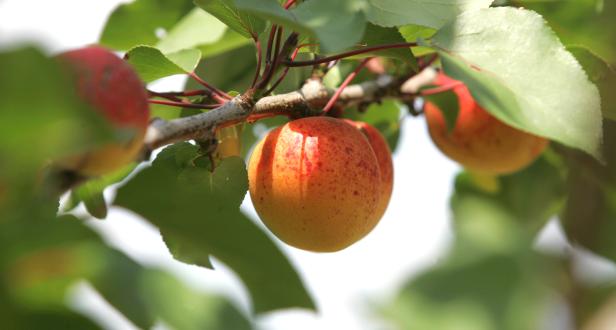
(91, 192)
(589, 218)
(163, 292)
(229, 71)
(589, 23)
(480, 292)
(227, 12)
(193, 30)
(419, 12)
(151, 64)
(600, 73)
(513, 212)
(201, 209)
(415, 33)
(136, 23)
(336, 24)
(549, 96)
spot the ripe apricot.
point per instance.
(479, 141)
(316, 183)
(112, 88)
(383, 158)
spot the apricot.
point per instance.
(383, 158)
(479, 141)
(111, 87)
(316, 184)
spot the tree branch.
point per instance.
(307, 101)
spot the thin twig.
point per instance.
(185, 105)
(345, 83)
(349, 54)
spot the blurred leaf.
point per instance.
(384, 116)
(336, 24)
(229, 41)
(193, 30)
(201, 209)
(414, 33)
(53, 124)
(227, 12)
(483, 292)
(91, 192)
(602, 74)
(549, 96)
(589, 218)
(513, 213)
(233, 70)
(151, 64)
(137, 22)
(183, 308)
(427, 13)
(119, 283)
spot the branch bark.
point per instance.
(307, 101)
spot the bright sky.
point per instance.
(412, 236)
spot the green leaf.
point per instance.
(480, 292)
(41, 117)
(600, 73)
(193, 30)
(589, 218)
(231, 40)
(419, 12)
(163, 292)
(336, 24)
(510, 210)
(201, 209)
(415, 33)
(233, 70)
(549, 96)
(136, 23)
(91, 192)
(151, 64)
(582, 22)
(227, 12)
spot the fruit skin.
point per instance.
(315, 183)
(479, 141)
(111, 87)
(383, 157)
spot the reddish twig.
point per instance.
(289, 4)
(349, 54)
(347, 81)
(286, 70)
(217, 94)
(259, 61)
